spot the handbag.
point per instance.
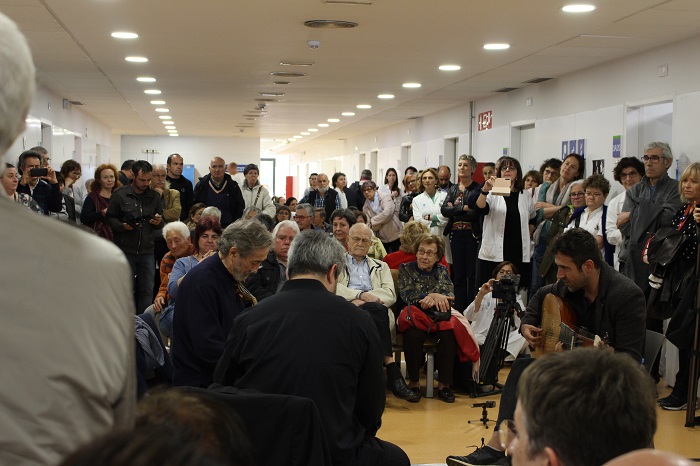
(661, 247)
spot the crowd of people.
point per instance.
(303, 299)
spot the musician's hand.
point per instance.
(559, 347)
(532, 334)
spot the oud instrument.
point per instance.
(560, 325)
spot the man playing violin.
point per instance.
(605, 303)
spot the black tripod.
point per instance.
(690, 419)
(495, 348)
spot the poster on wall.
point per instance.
(599, 166)
(581, 148)
(564, 149)
(617, 146)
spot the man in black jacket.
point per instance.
(179, 183)
(322, 196)
(323, 349)
(44, 190)
(273, 271)
(219, 190)
(134, 212)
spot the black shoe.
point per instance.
(481, 457)
(672, 403)
(400, 390)
(446, 395)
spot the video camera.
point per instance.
(137, 222)
(506, 289)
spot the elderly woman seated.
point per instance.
(426, 287)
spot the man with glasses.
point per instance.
(305, 217)
(219, 190)
(367, 283)
(606, 303)
(649, 205)
(603, 418)
(272, 274)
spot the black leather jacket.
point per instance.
(455, 213)
(406, 207)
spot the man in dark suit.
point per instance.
(324, 349)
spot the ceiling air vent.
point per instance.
(536, 80)
(349, 2)
(288, 74)
(505, 89)
(76, 102)
(330, 23)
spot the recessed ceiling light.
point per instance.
(411, 85)
(163, 110)
(348, 113)
(172, 131)
(385, 96)
(578, 8)
(168, 122)
(173, 134)
(158, 102)
(364, 106)
(125, 35)
(170, 127)
(287, 74)
(272, 94)
(280, 82)
(329, 24)
(323, 125)
(496, 46)
(136, 59)
(332, 120)
(449, 67)
(312, 130)
(297, 137)
(165, 117)
(152, 91)
(305, 133)
(296, 63)
(145, 79)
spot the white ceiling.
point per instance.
(212, 58)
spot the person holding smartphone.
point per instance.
(39, 183)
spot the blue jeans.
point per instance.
(143, 268)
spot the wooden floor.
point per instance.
(431, 430)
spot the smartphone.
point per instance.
(39, 172)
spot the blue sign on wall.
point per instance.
(581, 149)
(188, 172)
(564, 149)
(617, 146)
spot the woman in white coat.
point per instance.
(506, 231)
(426, 205)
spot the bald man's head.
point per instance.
(217, 169)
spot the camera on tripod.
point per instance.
(506, 289)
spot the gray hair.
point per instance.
(314, 252)
(211, 211)
(17, 76)
(250, 209)
(470, 159)
(286, 224)
(308, 208)
(361, 226)
(246, 235)
(665, 149)
(176, 227)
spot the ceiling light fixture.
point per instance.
(163, 110)
(172, 131)
(333, 120)
(125, 35)
(329, 24)
(145, 79)
(348, 113)
(287, 74)
(170, 127)
(364, 106)
(305, 133)
(496, 46)
(281, 83)
(578, 8)
(165, 117)
(385, 96)
(297, 63)
(136, 59)
(158, 102)
(152, 91)
(323, 125)
(449, 67)
(173, 134)
(297, 137)
(411, 85)
(168, 122)
(312, 130)
(271, 94)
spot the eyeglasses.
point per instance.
(423, 252)
(581, 194)
(629, 175)
(301, 217)
(507, 434)
(594, 194)
(652, 159)
(361, 240)
(509, 168)
(549, 171)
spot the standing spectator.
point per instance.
(134, 213)
(255, 194)
(72, 172)
(356, 187)
(383, 216)
(444, 178)
(323, 196)
(10, 180)
(506, 235)
(195, 214)
(627, 172)
(533, 179)
(462, 229)
(175, 164)
(45, 159)
(94, 214)
(43, 189)
(391, 186)
(596, 189)
(126, 175)
(410, 184)
(427, 205)
(340, 184)
(172, 209)
(313, 180)
(219, 190)
(67, 333)
(210, 297)
(489, 170)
